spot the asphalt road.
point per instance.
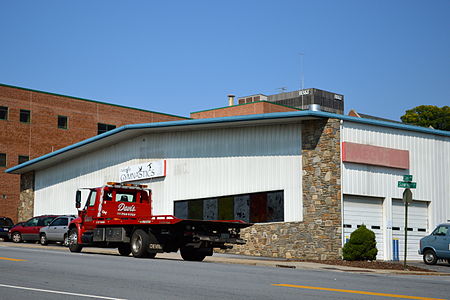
(28, 273)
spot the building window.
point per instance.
(3, 113)
(255, 208)
(25, 116)
(23, 158)
(62, 122)
(102, 128)
(2, 160)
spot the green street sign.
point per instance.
(407, 185)
(407, 178)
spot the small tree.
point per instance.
(361, 246)
(428, 115)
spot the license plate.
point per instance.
(224, 235)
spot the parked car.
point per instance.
(436, 245)
(5, 225)
(29, 230)
(56, 231)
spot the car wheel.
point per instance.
(429, 257)
(73, 241)
(124, 249)
(16, 237)
(43, 239)
(139, 243)
(191, 254)
(65, 242)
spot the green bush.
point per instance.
(361, 246)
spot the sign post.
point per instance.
(407, 199)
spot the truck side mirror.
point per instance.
(78, 199)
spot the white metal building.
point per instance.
(246, 157)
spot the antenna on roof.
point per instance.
(302, 76)
(282, 89)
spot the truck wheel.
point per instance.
(139, 243)
(429, 257)
(16, 237)
(73, 241)
(43, 239)
(124, 249)
(191, 254)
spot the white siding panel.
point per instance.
(200, 164)
(429, 165)
(417, 220)
(364, 211)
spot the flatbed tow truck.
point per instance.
(119, 215)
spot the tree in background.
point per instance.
(428, 115)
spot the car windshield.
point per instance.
(6, 222)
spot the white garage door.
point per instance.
(417, 226)
(367, 211)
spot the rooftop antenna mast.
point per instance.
(282, 89)
(302, 76)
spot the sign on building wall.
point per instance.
(146, 170)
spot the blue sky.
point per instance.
(182, 56)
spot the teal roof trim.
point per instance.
(283, 115)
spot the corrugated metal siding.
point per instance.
(200, 164)
(429, 165)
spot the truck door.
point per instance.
(90, 210)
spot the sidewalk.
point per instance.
(246, 260)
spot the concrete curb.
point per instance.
(235, 259)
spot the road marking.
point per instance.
(356, 292)
(58, 292)
(12, 259)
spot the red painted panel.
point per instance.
(374, 155)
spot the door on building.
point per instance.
(368, 211)
(417, 226)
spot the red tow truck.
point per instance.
(119, 215)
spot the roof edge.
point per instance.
(268, 116)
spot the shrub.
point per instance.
(361, 246)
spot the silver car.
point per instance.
(56, 231)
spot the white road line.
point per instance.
(58, 292)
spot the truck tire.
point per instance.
(73, 241)
(124, 249)
(139, 243)
(192, 254)
(429, 257)
(16, 237)
(43, 239)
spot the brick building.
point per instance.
(253, 108)
(33, 123)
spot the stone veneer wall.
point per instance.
(318, 236)
(26, 199)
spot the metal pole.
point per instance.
(406, 233)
